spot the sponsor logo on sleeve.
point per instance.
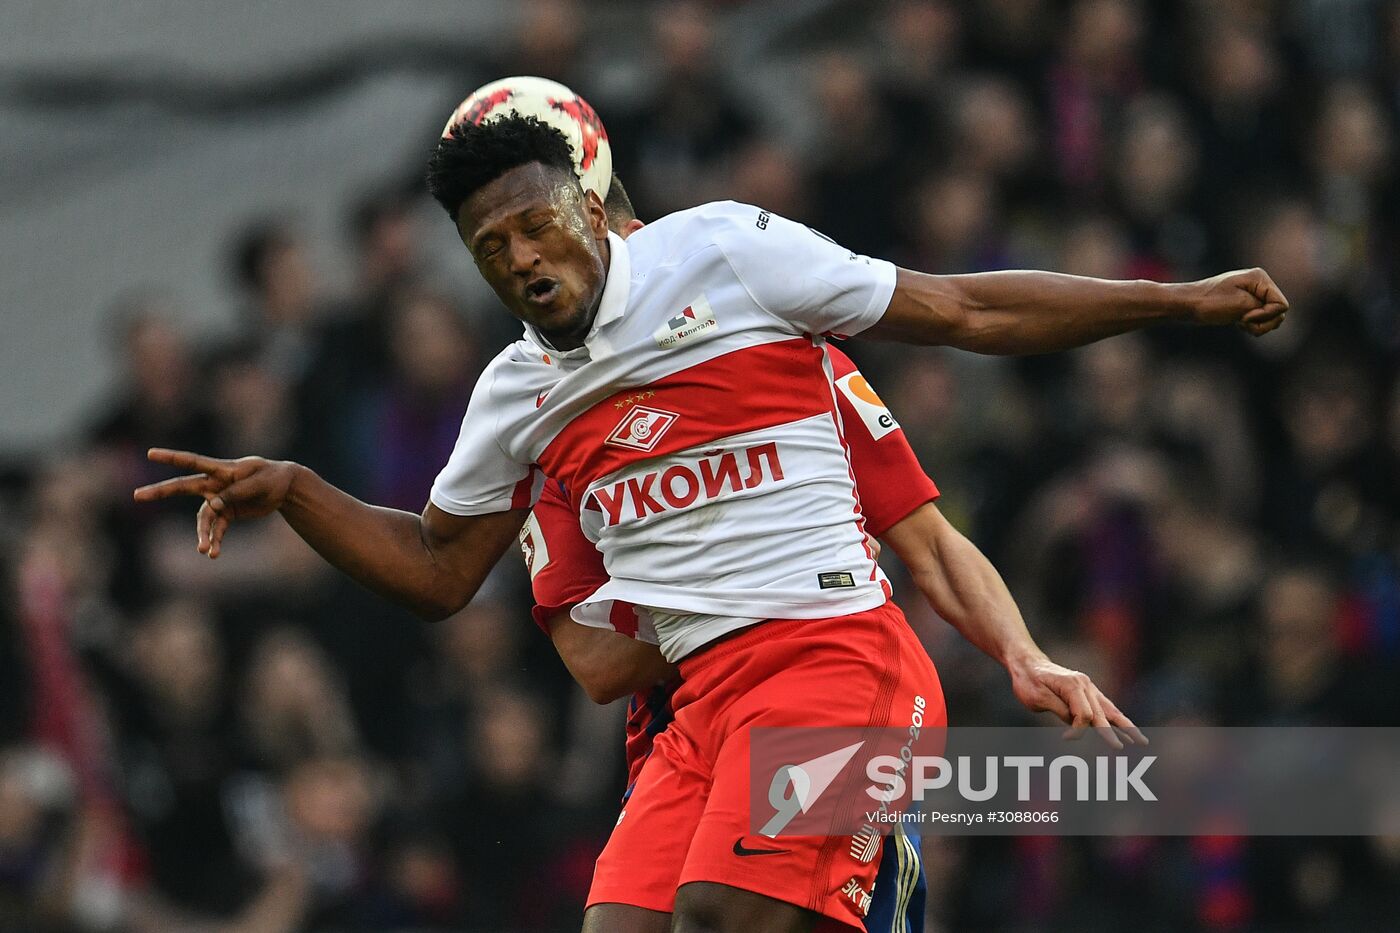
(692, 322)
(641, 428)
(867, 405)
(533, 547)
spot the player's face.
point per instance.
(541, 244)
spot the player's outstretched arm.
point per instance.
(433, 563)
(965, 589)
(1011, 313)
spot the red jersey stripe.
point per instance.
(783, 381)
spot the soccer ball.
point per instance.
(552, 103)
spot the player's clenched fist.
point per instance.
(1247, 297)
(249, 487)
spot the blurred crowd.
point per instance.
(1206, 523)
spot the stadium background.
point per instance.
(214, 237)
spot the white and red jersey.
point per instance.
(565, 568)
(695, 433)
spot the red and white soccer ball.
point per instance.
(552, 103)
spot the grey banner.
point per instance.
(1190, 780)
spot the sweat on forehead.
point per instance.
(519, 189)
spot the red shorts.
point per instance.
(688, 816)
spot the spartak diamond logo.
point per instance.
(641, 428)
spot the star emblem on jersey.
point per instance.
(641, 428)
(634, 399)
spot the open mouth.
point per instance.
(542, 291)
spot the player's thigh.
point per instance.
(793, 879)
(866, 672)
(707, 907)
(623, 918)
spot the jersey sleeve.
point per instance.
(889, 480)
(565, 567)
(480, 478)
(801, 276)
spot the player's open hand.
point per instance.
(1042, 685)
(1245, 297)
(249, 487)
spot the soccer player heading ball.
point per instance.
(676, 386)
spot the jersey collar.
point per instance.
(617, 287)
(611, 306)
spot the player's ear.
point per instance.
(597, 216)
(631, 227)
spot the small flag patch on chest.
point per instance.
(692, 321)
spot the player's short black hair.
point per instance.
(618, 205)
(474, 155)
